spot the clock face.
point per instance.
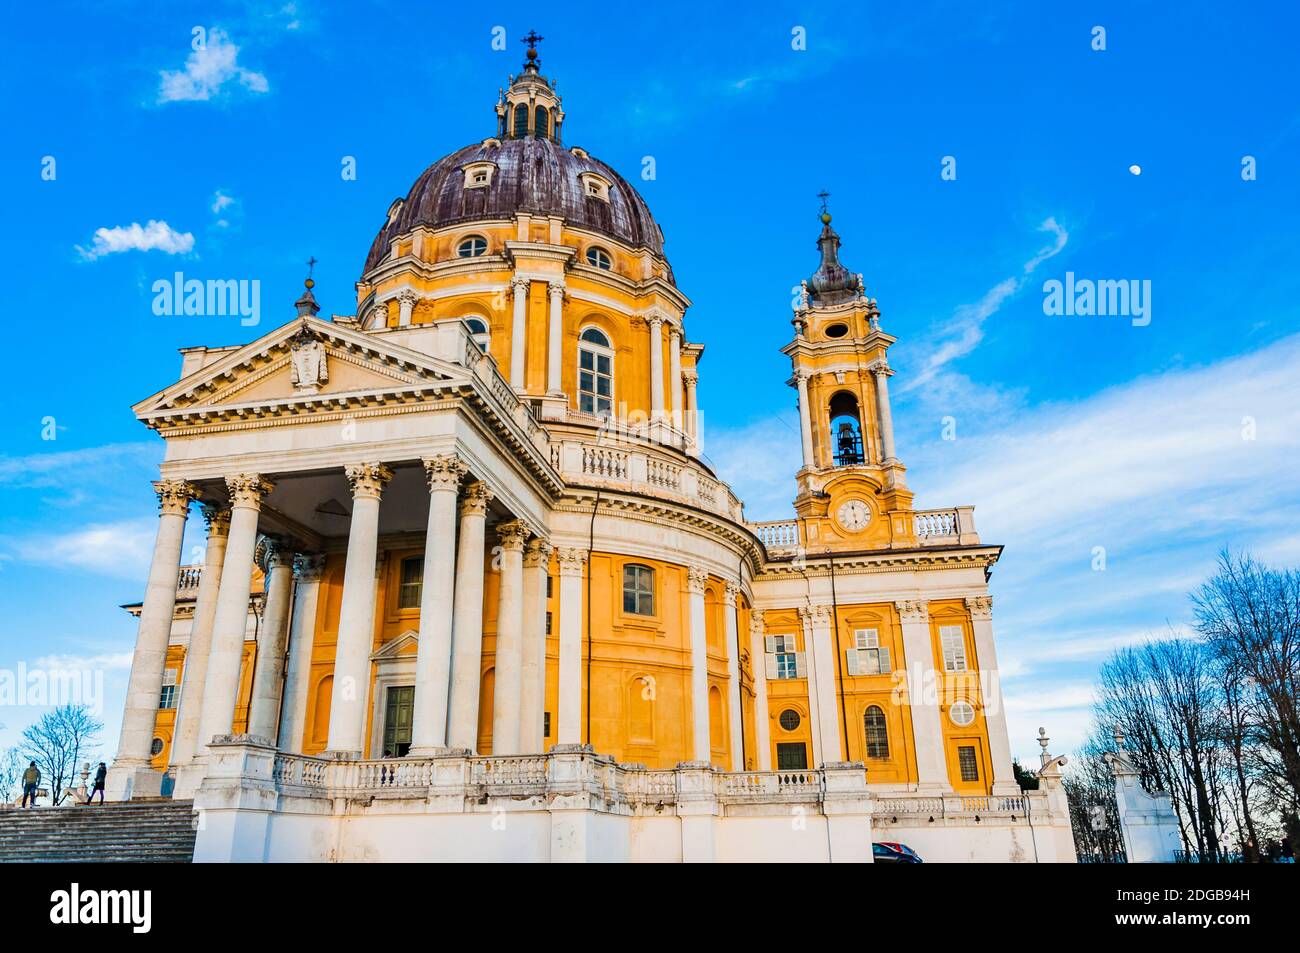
(853, 515)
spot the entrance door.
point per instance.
(399, 707)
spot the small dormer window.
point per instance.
(599, 258)
(595, 186)
(478, 175)
(472, 247)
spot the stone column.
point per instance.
(132, 773)
(532, 693)
(675, 375)
(762, 719)
(733, 674)
(196, 653)
(555, 338)
(656, 323)
(805, 419)
(923, 694)
(572, 565)
(510, 639)
(221, 687)
(826, 708)
(995, 713)
(433, 659)
(268, 670)
(307, 570)
(881, 372)
(467, 621)
(701, 747)
(356, 636)
(518, 332)
(810, 667)
(690, 378)
(406, 301)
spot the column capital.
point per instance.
(655, 320)
(913, 610)
(696, 578)
(818, 615)
(275, 553)
(443, 471)
(729, 593)
(980, 608)
(556, 286)
(519, 284)
(174, 496)
(408, 297)
(309, 567)
(475, 500)
(368, 479)
(572, 559)
(218, 519)
(756, 626)
(247, 490)
(880, 368)
(537, 554)
(691, 378)
(512, 535)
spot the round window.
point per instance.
(472, 247)
(155, 749)
(837, 330)
(789, 719)
(962, 714)
(599, 258)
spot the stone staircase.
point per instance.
(152, 831)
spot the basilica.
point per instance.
(470, 591)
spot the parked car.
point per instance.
(889, 852)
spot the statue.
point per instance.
(308, 367)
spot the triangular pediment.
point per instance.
(404, 644)
(303, 365)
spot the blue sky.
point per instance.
(1072, 432)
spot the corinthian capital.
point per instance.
(519, 284)
(367, 479)
(815, 614)
(218, 520)
(537, 554)
(913, 610)
(572, 560)
(756, 621)
(247, 490)
(174, 496)
(512, 535)
(309, 567)
(980, 607)
(729, 594)
(556, 286)
(475, 500)
(443, 471)
(696, 578)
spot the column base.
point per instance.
(127, 781)
(188, 777)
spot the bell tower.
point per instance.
(852, 491)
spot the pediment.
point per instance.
(405, 644)
(306, 364)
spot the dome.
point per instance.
(534, 175)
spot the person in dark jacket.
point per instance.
(100, 774)
(31, 780)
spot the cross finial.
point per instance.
(311, 268)
(823, 195)
(532, 39)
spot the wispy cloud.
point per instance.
(965, 330)
(120, 549)
(225, 209)
(153, 236)
(208, 72)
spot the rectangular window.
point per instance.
(782, 659)
(168, 697)
(867, 657)
(639, 590)
(549, 588)
(412, 584)
(953, 641)
(791, 756)
(546, 724)
(967, 763)
(548, 623)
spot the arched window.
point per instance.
(638, 590)
(846, 430)
(541, 123)
(472, 247)
(595, 373)
(599, 258)
(521, 121)
(478, 330)
(877, 732)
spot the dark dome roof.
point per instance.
(534, 175)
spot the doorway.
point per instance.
(399, 709)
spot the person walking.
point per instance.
(100, 774)
(31, 779)
(1287, 852)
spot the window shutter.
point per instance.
(800, 665)
(885, 667)
(770, 642)
(769, 665)
(853, 666)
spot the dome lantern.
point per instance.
(831, 283)
(530, 107)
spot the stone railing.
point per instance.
(644, 468)
(946, 527)
(188, 578)
(770, 786)
(777, 535)
(949, 806)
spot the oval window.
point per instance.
(599, 258)
(156, 748)
(837, 330)
(472, 247)
(962, 714)
(790, 719)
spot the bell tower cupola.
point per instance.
(530, 107)
(839, 359)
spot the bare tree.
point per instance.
(1094, 815)
(11, 770)
(58, 741)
